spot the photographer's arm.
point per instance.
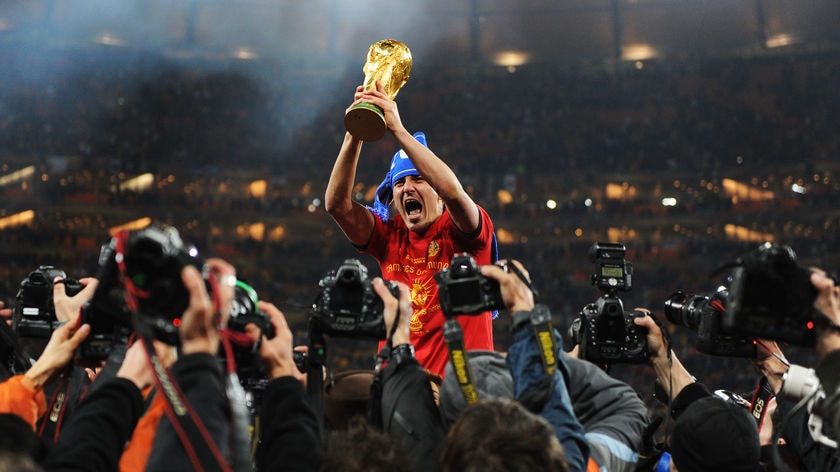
(547, 396)
(408, 409)
(59, 351)
(668, 369)
(289, 430)
(770, 360)
(23, 394)
(354, 219)
(462, 209)
(105, 420)
(828, 302)
(392, 308)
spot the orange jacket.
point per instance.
(136, 454)
(20, 395)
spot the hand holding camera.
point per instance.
(59, 351)
(35, 313)
(67, 304)
(396, 308)
(199, 326)
(514, 292)
(276, 351)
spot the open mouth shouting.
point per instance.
(413, 208)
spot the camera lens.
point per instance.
(685, 310)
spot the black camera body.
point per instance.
(772, 297)
(144, 265)
(244, 310)
(705, 316)
(605, 332)
(34, 314)
(348, 306)
(463, 290)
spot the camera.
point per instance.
(140, 287)
(348, 306)
(34, 314)
(705, 316)
(243, 310)
(603, 330)
(772, 297)
(802, 383)
(463, 290)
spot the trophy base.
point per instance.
(365, 121)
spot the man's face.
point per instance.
(417, 202)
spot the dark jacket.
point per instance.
(289, 434)
(410, 414)
(611, 412)
(103, 423)
(200, 379)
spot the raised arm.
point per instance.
(462, 209)
(354, 219)
(668, 369)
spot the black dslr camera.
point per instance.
(243, 311)
(705, 316)
(34, 314)
(143, 266)
(772, 297)
(347, 305)
(603, 330)
(464, 291)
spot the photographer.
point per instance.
(526, 366)
(112, 410)
(95, 437)
(611, 413)
(23, 394)
(289, 437)
(796, 446)
(408, 409)
(709, 433)
(816, 455)
(542, 393)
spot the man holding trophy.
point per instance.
(435, 217)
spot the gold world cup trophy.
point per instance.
(389, 62)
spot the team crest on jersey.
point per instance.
(434, 249)
(420, 293)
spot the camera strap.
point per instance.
(508, 266)
(760, 398)
(541, 324)
(241, 440)
(454, 338)
(198, 444)
(185, 421)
